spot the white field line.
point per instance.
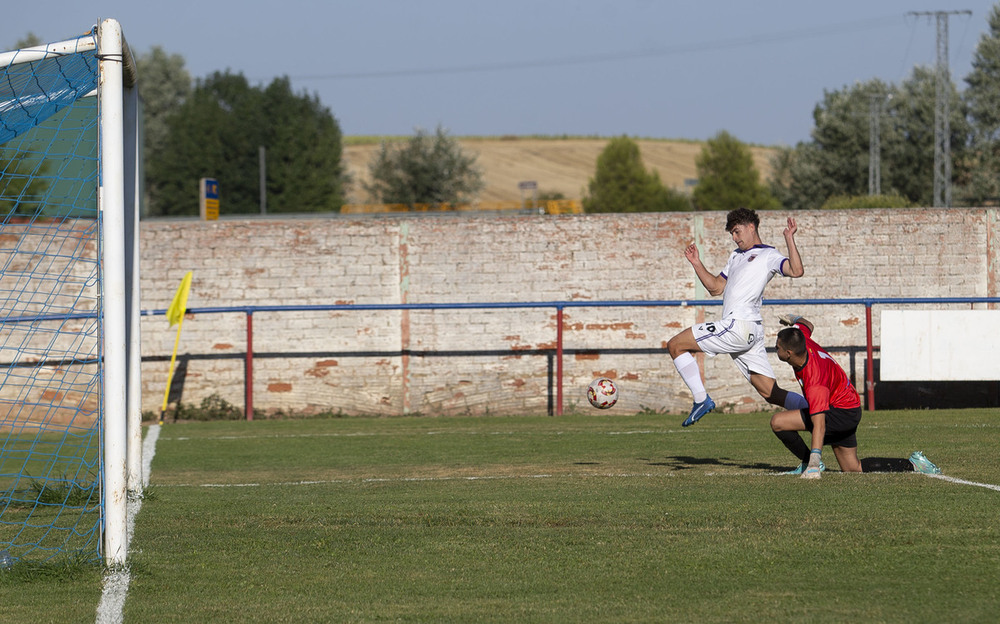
(543, 433)
(421, 479)
(459, 433)
(988, 486)
(111, 609)
(568, 475)
(429, 433)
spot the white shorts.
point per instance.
(742, 340)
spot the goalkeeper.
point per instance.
(834, 410)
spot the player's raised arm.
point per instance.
(794, 267)
(714, 284)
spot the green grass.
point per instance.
(596, 518)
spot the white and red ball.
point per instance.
(602, 393)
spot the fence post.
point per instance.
(559, 360)
(248, 370)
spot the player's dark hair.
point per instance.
(792, 339)
(742, 216)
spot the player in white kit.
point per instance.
(740, 331)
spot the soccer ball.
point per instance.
(602, 393)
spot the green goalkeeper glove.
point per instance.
(815, 458)
(813, 470)
(789, 319)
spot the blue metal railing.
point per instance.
(559, 306)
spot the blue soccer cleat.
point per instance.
(802, 468)
(812, 473)
(922, 464)
(698, 410)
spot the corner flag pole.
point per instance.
(175, 314)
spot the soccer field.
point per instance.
(593, 518)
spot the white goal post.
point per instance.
(85, 88)
(118, 203)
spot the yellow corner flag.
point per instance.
(176, 310)
(175, 315)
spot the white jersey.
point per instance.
(747, 273)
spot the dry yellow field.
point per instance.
(557, 165)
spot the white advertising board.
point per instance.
(940, 345)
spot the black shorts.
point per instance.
(841, 425)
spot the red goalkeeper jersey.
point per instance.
(824, 383)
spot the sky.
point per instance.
(642, 68)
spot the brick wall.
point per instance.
(383, 362)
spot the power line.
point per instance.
(609, 57)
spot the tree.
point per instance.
(22, 182)
(982, 97)
(22, 179)
(622, 184)
(844, 202)
(423, 170)
(28, 41)
(164, 85)
(727, 177)
(836, 161)
(911, 154)
(780, 181)
(304, 152)
(217, 132)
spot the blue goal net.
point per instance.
(53, 280)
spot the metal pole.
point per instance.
(874, 145)
(942, 97)
(870, 365)
(263, 180)
(111, 200)
(942, 123)
(133, 190)
(248, 370)
(559, 361)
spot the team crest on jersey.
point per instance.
(751, 258)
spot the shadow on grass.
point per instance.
(687, 462)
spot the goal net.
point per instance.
(69, 415)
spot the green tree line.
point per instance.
(216, 127)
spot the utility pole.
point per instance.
(262, 152)
(942, 126)
(874, 144)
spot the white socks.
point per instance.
(687, 366)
